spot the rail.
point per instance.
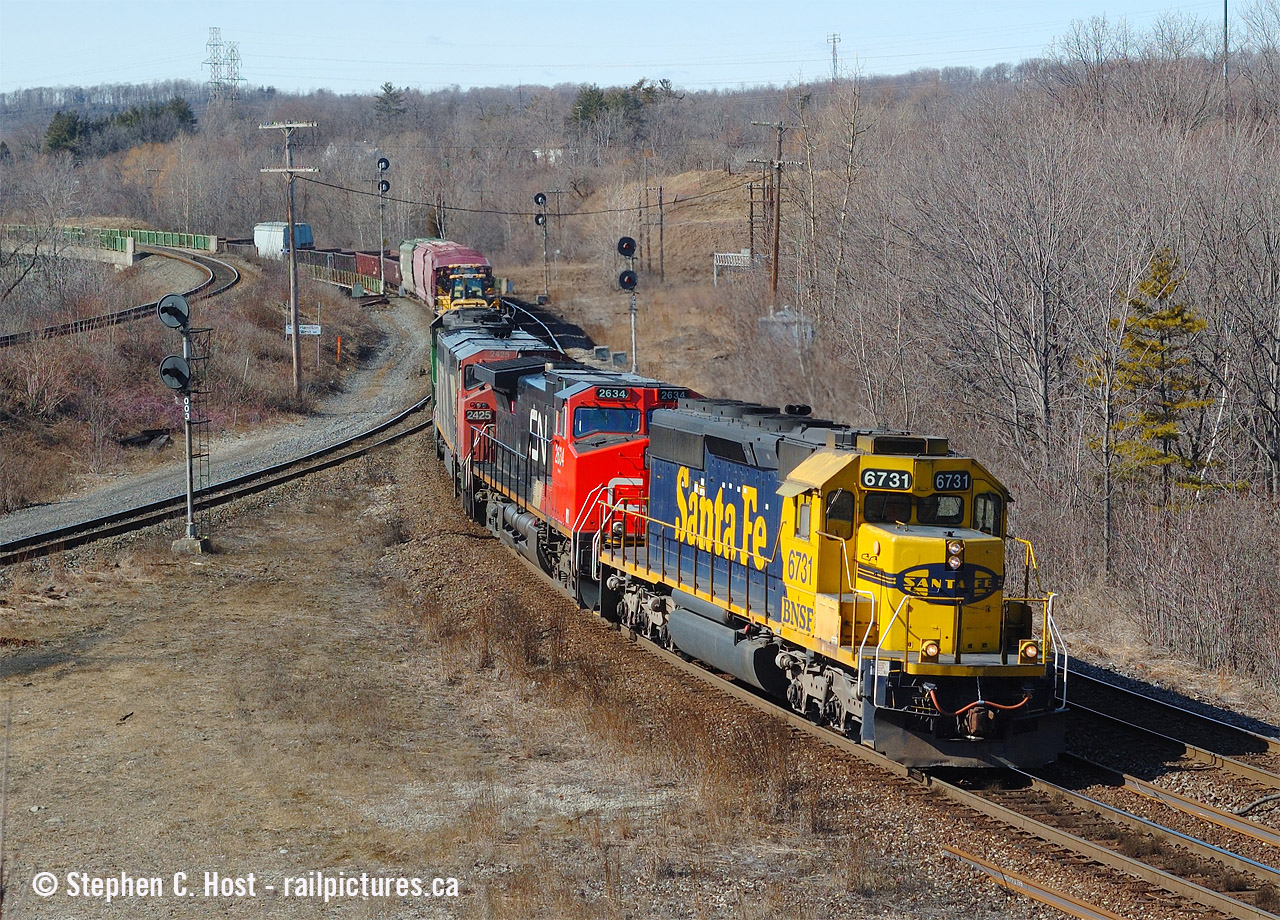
(1058, 840)
(207, 288)
(130, 519)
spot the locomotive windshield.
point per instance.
(468, 289)
(616, 419)
(887, 508)
(942, 510)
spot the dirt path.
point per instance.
(360, 682)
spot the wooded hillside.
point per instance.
(1071, 266)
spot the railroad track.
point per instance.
(1179, 723)
(541, 322)
(219, 276)
(1160, 871)
(394, 429)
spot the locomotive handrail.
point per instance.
(1059, 644)
(710, 542)
(593, 499)
(906, 625)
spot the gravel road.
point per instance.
(392, 380)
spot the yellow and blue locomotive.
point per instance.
(860, 575)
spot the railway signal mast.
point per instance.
(540, 219)
(383, 187)
(289, 169)
(177, 373)
(627, 281)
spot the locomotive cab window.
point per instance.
(804, 511)
(942, 510)
(987, 513)
(840, 513)
(595, 419)
(887, 508)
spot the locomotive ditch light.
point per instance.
(930, 651)
(1028, 651)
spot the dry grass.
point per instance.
(358, 680)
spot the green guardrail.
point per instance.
(345, 279)
(111, 238)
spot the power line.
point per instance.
(501, 213)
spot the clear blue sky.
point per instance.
(356, 46)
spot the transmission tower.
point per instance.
(217, 80)
(231, 76)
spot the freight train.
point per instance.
(442, 274)
(857, 575)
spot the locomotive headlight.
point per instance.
(930, 650)
(955, 554)
(1028, 651)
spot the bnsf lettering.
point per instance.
(797, 616)
(721, 526)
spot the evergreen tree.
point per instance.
(1158, 384)
(390, 105)
(66, 131)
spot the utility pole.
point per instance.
(834, 39)
(296, 349)
(648, 253)
(777, 165)
(662, 241)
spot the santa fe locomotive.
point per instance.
(858, 575)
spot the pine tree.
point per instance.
(390, 105)
(1158, 383)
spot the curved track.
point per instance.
(219, 277)
(63, 538)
